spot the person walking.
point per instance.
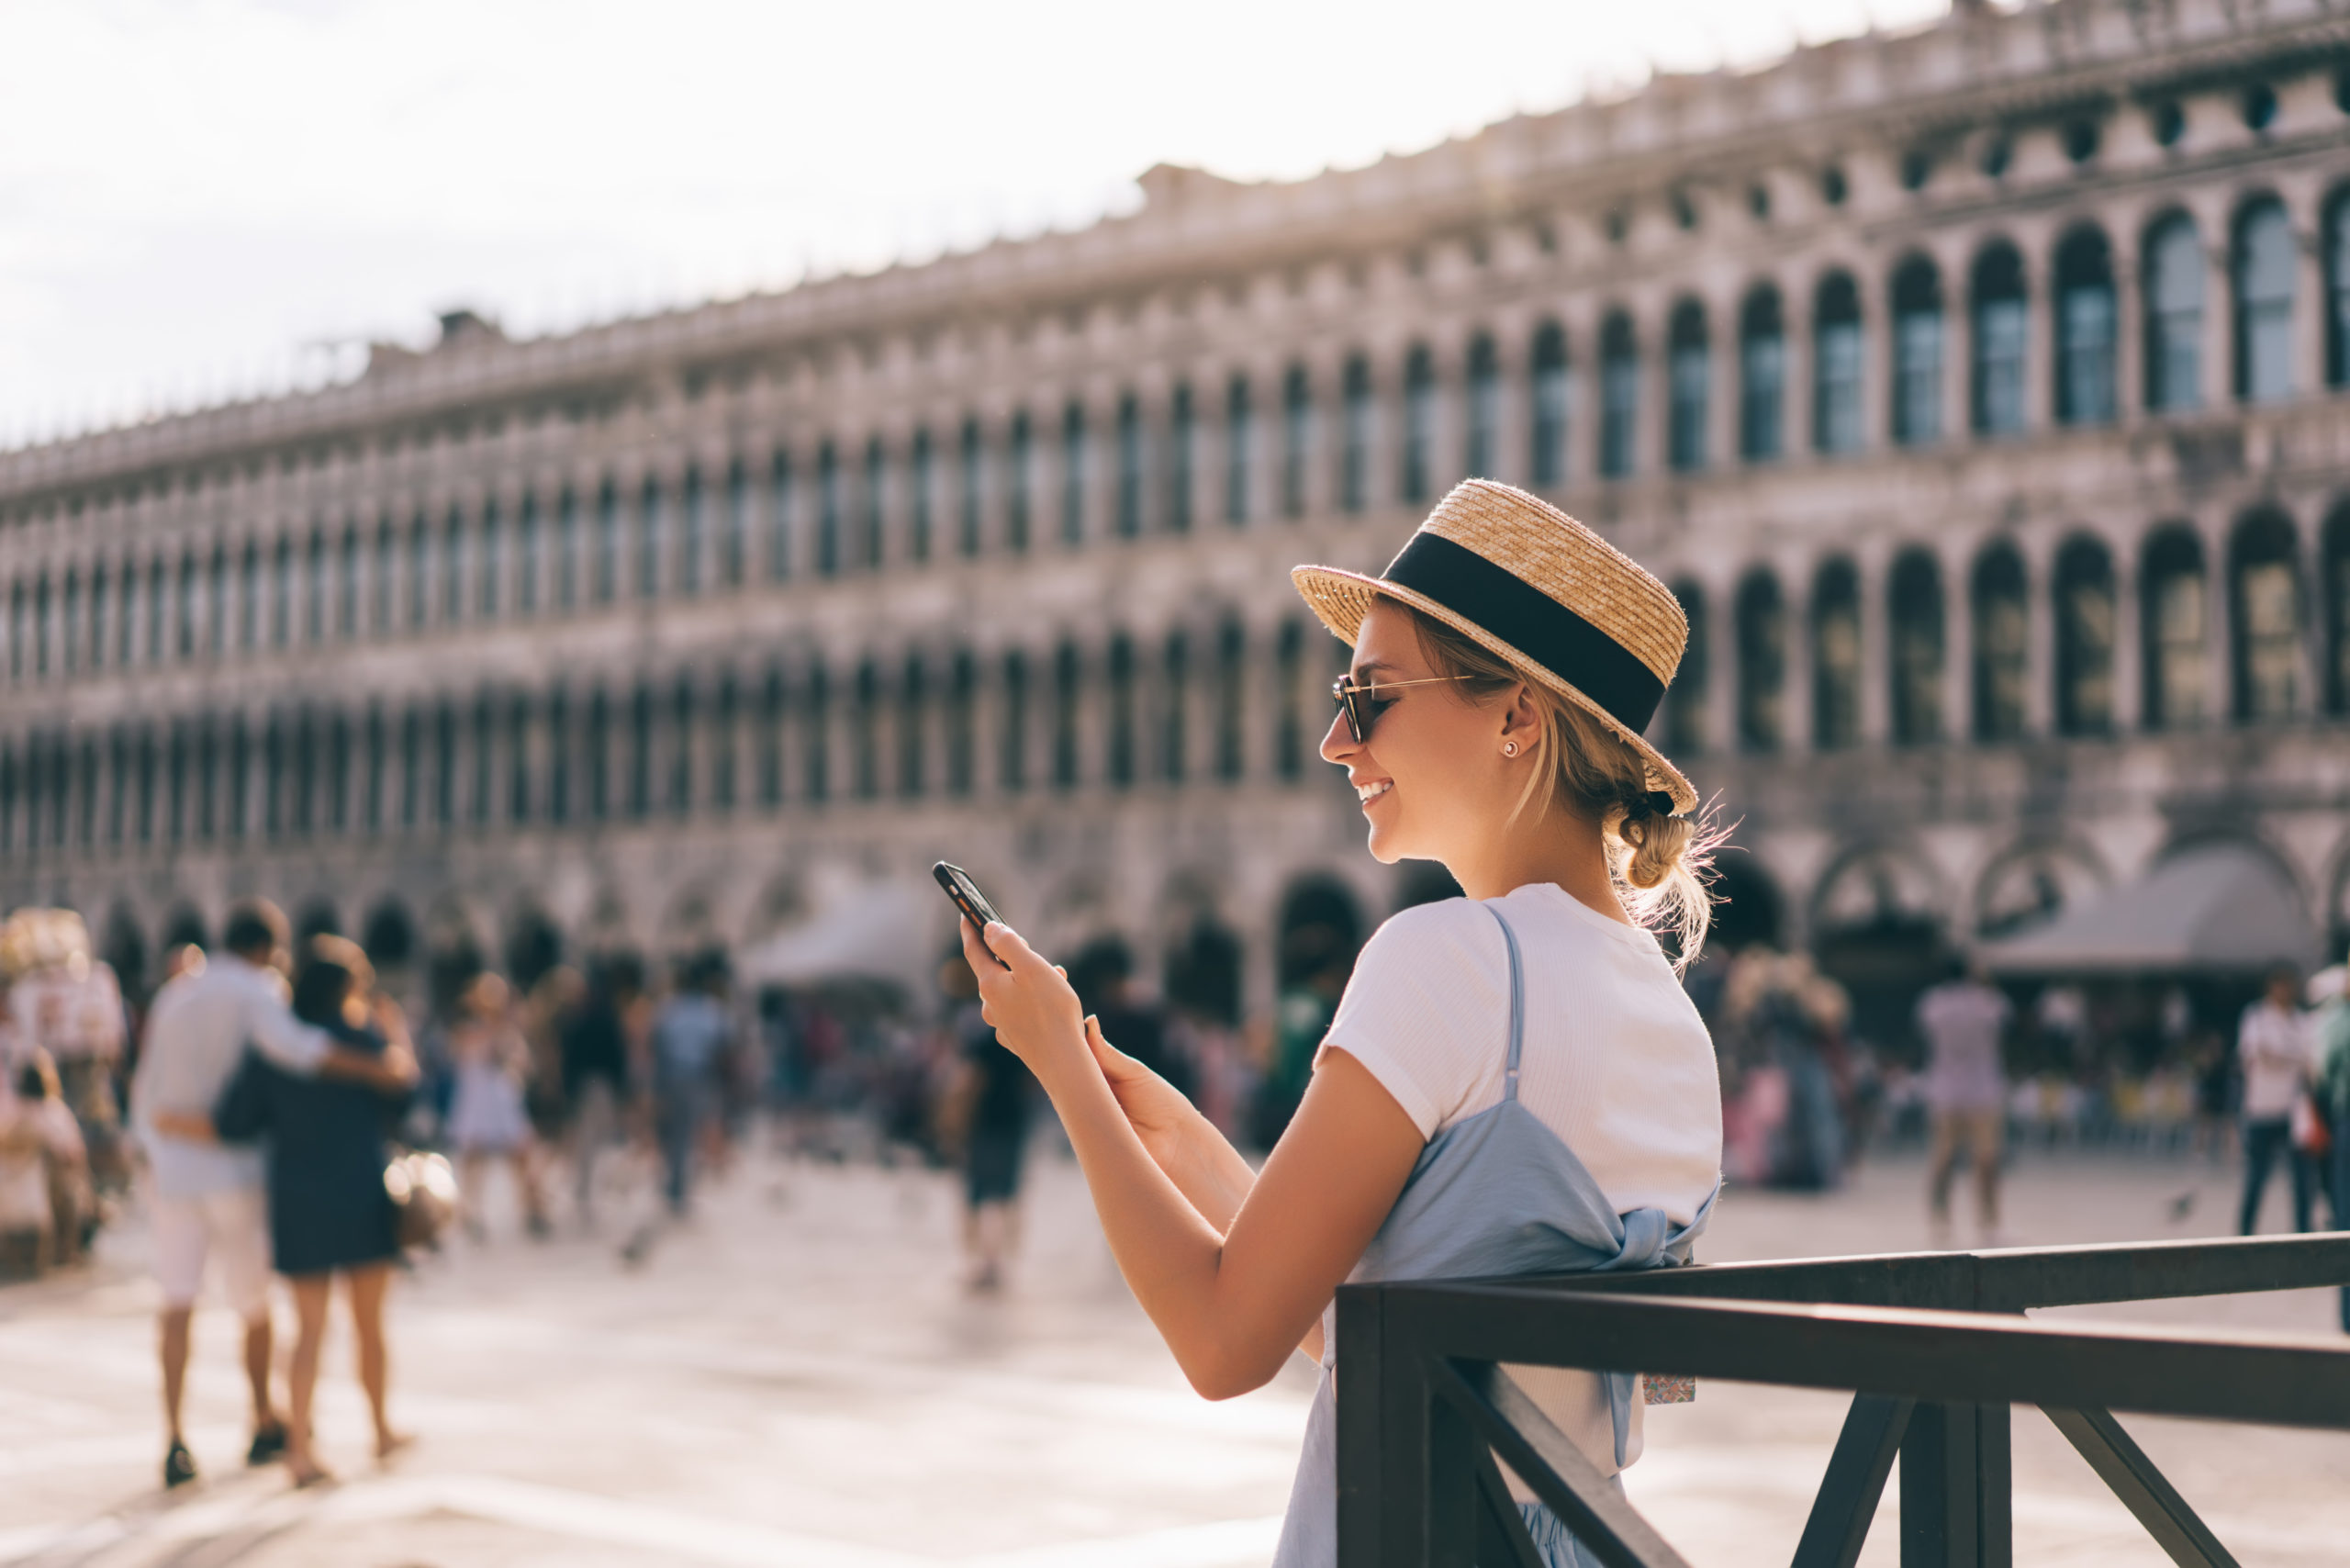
(488, 1110)
(2273, 1052)
(997, 1101)
(328, 1215)
(1515, 1081)
(595, 1075)
(691, 1034)
(206, 1202)
(1963, 1021)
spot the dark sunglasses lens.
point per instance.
(1349, 698)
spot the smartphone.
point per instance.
(965, 894)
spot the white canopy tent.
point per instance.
(888, 932)
(2222, 908)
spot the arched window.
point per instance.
(734, 545)
(1419, 423)
(1239, 449)
(2174, 316)
(2002, 645)
(1619, 397)
(783, 502)
(1019, 482)
(652, 537)
(1481, 448)
(1075, 459)
(828, 511)
(875, 533)
(1179, 444)
(1289, 701)
(1231, 703)
(486, 584)
(1354, 459)
(1119, 673)
(1836, 656)
(640, 752)
(1689, 370)
(2084, 328)
(1684, 703)
(2263, 302)
(1549, 404)
(1297, 439)
(1914, 599)
(2002, 323)
(921, 495)
(962, 724)
(517, 758)
(2177, 659)
(1836, 409)
(1067, 696)
(2084, 638)
(914, 710)
(1761, 662)
(314, 593)
(864, 731)
(1916, 353)
(693, 528)
(2334, 585)
(99, 627)
(281, 590)
(816, 732)
(971, 475)
(529, 567)
(2337, 291)
(1012, 772)
(2266, 598)
(607, 573)
(1174, 733)
(1761, 377)
(1130, 477)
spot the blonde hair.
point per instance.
(1659, 861)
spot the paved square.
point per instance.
(797, 1381)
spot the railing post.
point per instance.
(1362, 1461)
(1956, 1481)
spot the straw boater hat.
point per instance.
(1562, 605)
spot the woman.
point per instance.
(328, 1211)
(1515, 1081)
(488, 1114)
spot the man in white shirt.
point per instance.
(2273, 1049)
(208, 1197)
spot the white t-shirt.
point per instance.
(1615, 1062)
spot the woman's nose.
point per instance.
(1339, 743)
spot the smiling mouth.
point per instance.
(1367, 794)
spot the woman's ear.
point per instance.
(1521, 719)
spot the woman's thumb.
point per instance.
(1108, 1055)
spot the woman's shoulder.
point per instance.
(1444, 925)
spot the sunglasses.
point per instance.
(1355, 701)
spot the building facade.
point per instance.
(1984, 392)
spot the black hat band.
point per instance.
(1499, 601)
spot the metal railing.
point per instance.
(1925, 1340)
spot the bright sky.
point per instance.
(197, 194)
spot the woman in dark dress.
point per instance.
(329, 1214)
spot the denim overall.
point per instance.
(1495, 1193)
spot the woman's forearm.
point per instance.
(1167, 1246)
(1209, 1171)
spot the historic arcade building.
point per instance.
(1985, 392)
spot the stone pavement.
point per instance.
(795, 1381)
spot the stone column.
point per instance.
(1952, 257)
(2129, 324)
(2129, 640)
(1875, 587)
(2312, 299)
(1798, 441)
(2040, 333)
(1723, 386)
(1958, 641)
(2040, 632)
(1796, 697)
(2219, 620)
(1720, 719)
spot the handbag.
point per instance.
(423, 1191)
(2312, 1133)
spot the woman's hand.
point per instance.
(1160, 1115)
(1028, 1003)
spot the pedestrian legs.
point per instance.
(366, 1286)
(2264, 1140)
(311, 1294)
(1985, 1141)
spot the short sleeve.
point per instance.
(1427, 1009)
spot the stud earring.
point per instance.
(1509, 748)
